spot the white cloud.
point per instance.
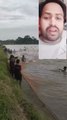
(20, 15)
(14, 11)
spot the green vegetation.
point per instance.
(26, 40)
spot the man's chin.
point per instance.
(53, 38)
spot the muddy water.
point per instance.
(50, 85)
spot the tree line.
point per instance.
(26, 40)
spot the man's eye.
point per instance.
(58, 18)
(46, 18)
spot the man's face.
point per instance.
(51, 22)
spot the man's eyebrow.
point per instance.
(48, 13)
(59, 14)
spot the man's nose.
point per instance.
(53, 21)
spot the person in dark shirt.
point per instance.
(11, 65)
(17, 71)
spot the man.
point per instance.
(17, 71)
(52, 43)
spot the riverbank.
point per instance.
(18, 103)
(13, 103)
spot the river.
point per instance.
(29, 51)
(49, 84)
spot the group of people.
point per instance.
(15, 68)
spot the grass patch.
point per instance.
(13, 105)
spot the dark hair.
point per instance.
(11, 56)
(17, 61)
(63, 6)
(65, 67)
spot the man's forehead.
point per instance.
(53, 8)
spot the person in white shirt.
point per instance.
(52, 37)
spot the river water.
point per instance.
(29, 51)
(49, 84)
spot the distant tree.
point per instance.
(26, 40)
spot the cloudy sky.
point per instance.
(18, 18)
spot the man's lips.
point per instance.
(53, 29)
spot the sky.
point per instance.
(18, 18)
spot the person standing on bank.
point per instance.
(11, 64)
(17, 71)
(52, 37)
